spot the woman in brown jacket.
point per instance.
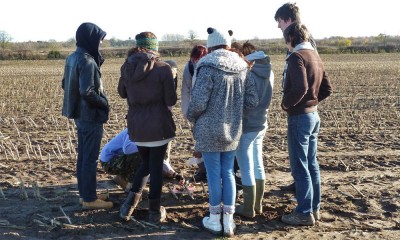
(148, 86)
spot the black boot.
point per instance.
(129, 205)
(290, 188)
(157, 213)
(201, 173)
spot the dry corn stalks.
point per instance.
(6, 224)
(2, 194)
(51, 223)
(36, 191)
(23, 193)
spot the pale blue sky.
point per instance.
(42, 20)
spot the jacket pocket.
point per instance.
(102, 115)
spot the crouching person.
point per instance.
(120, 157)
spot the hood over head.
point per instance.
(88, 36)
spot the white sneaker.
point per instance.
(229, 225)
(213, 223)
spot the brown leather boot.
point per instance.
(102, 196)
(157, 213)
(129, 205)
(97, 204)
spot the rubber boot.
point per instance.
(247, 208)
(129, 205)
(213, 223)
(229, 225)
(157, 213)
(260, 189)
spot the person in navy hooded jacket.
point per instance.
(85, 101)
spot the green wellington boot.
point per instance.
(247, 208)
(260, 189)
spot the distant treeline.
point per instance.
(119, 48)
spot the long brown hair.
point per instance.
(296, 33)
(248, 48)
(238, 48)
(198, 52)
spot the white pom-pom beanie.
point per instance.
(216, 37)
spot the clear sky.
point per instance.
(43, 20)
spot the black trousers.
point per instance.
(152, 163)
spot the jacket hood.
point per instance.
(141, 64)
(301, 46)
(88, 36)
(224, 60)
(256, 55)
(262, 64)
(262, 68)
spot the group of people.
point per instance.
(226, 93)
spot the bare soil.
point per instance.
(358, 145)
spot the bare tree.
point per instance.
(53, 44)
(382, 38)
(70, 43)
(5, 39)
(192, 35)
(173, 37)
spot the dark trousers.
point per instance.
(152, 163)
(89, 141)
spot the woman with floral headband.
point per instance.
(148, 85)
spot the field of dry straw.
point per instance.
(359, 155)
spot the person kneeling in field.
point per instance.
(120, 157)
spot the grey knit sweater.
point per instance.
(220, 94)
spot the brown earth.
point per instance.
(359, 155)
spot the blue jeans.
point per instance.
(250, 157)
(89, 141)
(221, 180)
(302, 146)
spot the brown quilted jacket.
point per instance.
(148, 86)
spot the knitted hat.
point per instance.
(216, 37)
(147, 40)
